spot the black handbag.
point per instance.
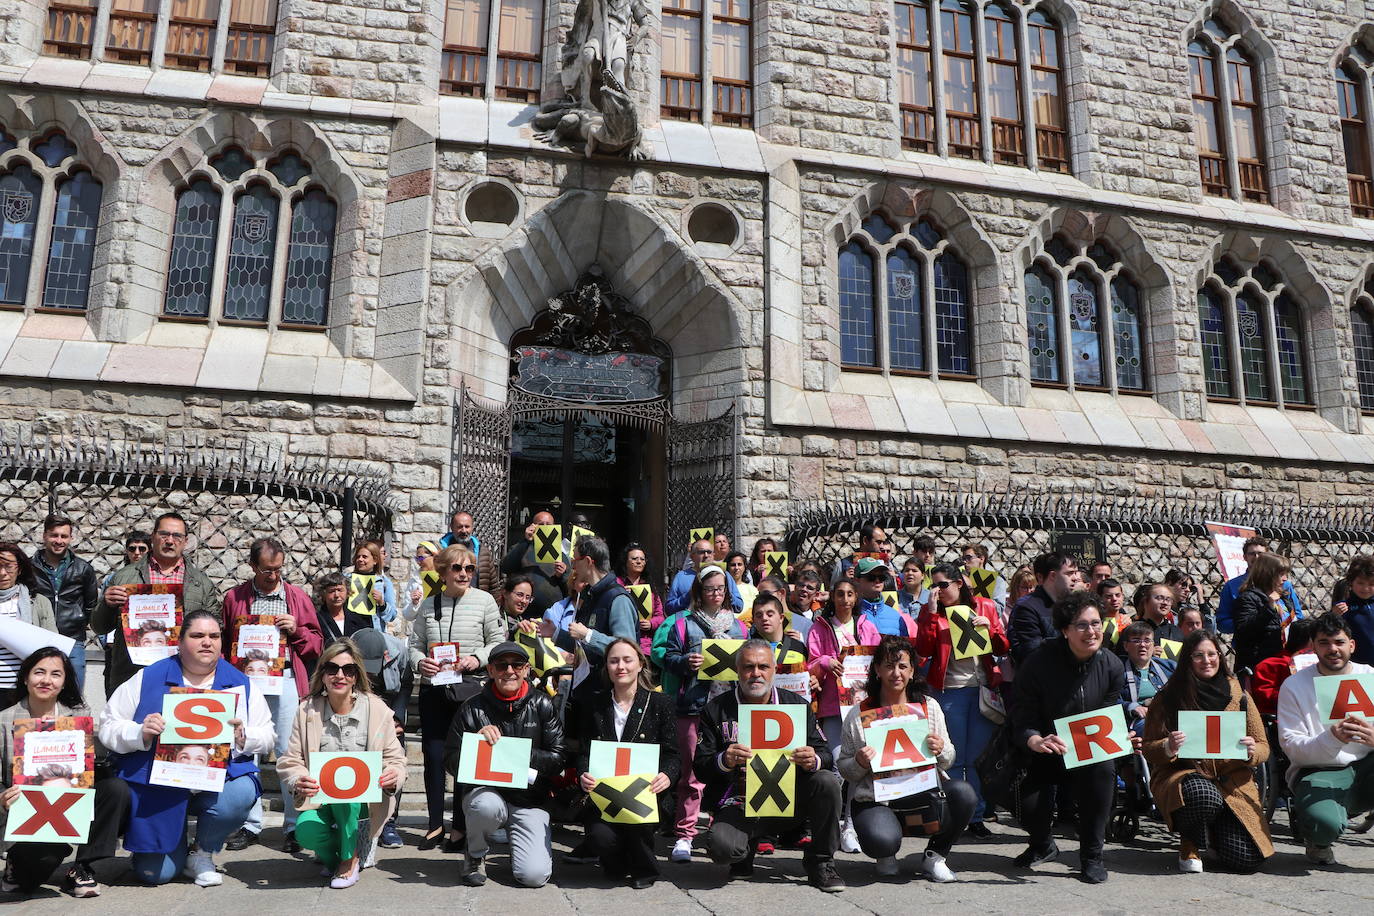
(1001, 770)
(925, 815)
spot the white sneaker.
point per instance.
(200, 867)
(934, 868)
(887, 867)
(682, 850)
(1320, 855)
(849, 840)
(1190, 866)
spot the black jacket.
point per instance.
(531, 716)
(1052, 683)
(1030, 624)
(653, 720)
(75, 598)
(1165, 630)
(1259, 631)
(718, 728)
(548, 589)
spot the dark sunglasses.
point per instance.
(512, 665)
(469, 568)
(875, 577)
(330, 669)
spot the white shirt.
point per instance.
(122, 735)
(621, 717)
(1304, 736)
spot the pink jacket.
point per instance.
(823, 647)
(305, 642)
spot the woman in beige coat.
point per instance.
(341, 714)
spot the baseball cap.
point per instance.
(868, 565)
(509, 648)
(372, 645)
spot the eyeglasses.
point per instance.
(969, 557)
(468, 568)
(349, 670)
(713, 589)
(510, 665)
(874, 577)
(172, 535)
(1084, 626)
(943, 584)
(1140, 641)
(8, 564)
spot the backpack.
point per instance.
(669, 681)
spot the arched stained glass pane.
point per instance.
(231, 163)
(1042, 326)
(1363, 328)
(926, 234)
(857, 307)
(6, 142)
(72, 249)
(1292, 360)
(55, 150)
(1126, 331)
(905, 311)
(1060, 251)
(1254, 361)
(878, 227)
(289, 169)
(1085, 330)
(309, 262)
(1216, 367)
(193, 251)
(952, 350)
(21, 192)
(252, 244)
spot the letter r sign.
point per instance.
(1094, 736)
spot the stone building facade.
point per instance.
(448, 225)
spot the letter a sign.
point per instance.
(1341, 695)
(344, 778)
(50, 814)
(1094, 736)
(901, 743)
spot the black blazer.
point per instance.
(653, 720)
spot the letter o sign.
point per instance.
(353, 771)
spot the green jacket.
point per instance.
(198, 594)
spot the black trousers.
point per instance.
(819, 801)
(33, 863)
(625, 849)
(436, 715)
(880, 828)
(1092, 788)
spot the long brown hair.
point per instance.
(645, 680)
(1265, 573)
(1180, 690)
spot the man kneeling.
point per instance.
(721, 761)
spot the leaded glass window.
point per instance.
(1254, 358)
(1126, 330)
(1292, 361)
(919, 303)
(71, 251)
(21, 192)
(1216, 363)
(856, 307)
(1085, 336)
(1362, 326)
(1254, 340)
(309, 263)
(252, 245)
(191, 270)
(1042, 325)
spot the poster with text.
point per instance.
(260, 653)
(152, 622)
(54, 752)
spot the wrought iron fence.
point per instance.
(1144, 538)
(230, 491)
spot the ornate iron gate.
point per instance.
(701, 481)
(480, 469)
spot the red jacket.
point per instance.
(933, 642)
(1268, 678)
(305, 642)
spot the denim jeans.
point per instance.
(970, 733)
(78, 657)
(283, 710)
(218, 815)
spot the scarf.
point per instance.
(510, 701)
(1214, 695)
(719, 624)
(19, 593)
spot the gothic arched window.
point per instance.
(1253, 333)
(1227, 121)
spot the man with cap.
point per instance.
(383, 659)
(508, 707)
(871, 577)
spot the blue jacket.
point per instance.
(1360, 615)
(680, 595)
(887, 619)
(1231, 591)
(157, 814)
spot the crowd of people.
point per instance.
(572, 651)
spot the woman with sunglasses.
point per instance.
(341, 714)
(48, 691)
(957, 682)
(469, 617)
(629, 710)
(1202, 798)
(413, 595)
(634, 570)
(19, 600)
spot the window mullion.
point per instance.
(1062, 332)
(928, 313)
(1228, 124)
(1367, 101)
(1106, 330)
(275, 301)
(164, 21)
(221, 42)
(1023, 71)
(980, 67)
(1271, 348)
(937, 75)
(708, 92)
(880, 333)
(223, 235)
(1234, 358)
(100, 34)
(42, 239)
(493, 44)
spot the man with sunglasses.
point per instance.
(871, 578)
(267, 594)
(509, 707)
(165, 564)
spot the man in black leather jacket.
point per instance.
(70, 585)
(509, 706)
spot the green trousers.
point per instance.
(330, 832)
(1326, 798)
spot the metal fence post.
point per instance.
(346, 538)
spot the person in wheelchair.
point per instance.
(1208, 802)
(1146, 673)
(720, 764)
(341, 713)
